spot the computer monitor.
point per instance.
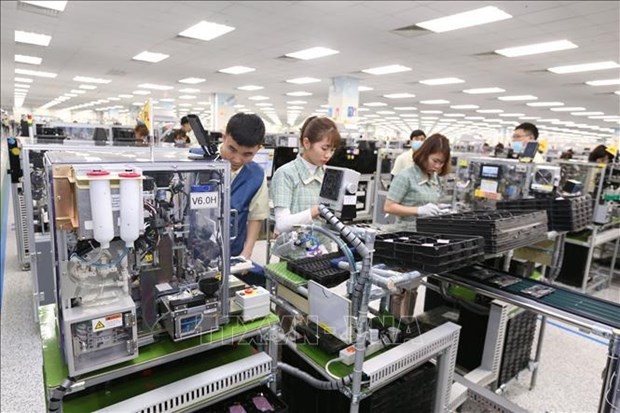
(530, 150)
(207, 141)
(264, 157)
(283, 155)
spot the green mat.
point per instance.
(279, 270)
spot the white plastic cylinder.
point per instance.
(101, 207)
(131, 206)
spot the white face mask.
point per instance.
(517, 146)
(415, 145)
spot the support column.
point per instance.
(344, 100)
(222, 109)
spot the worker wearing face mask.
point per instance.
(524, 133)
(405, 159)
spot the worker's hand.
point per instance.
(428, 210)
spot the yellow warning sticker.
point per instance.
(107, 322)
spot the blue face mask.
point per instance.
(517, 146)
(415, 145)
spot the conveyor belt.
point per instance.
(571, 303)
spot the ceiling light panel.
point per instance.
(607, 82)
(405, 108)
(150, 57)
(189, 90)
(206, 31)
(31, 60)
(517, 98)
(464, 107)
(186, 97)
(312, 53)
(586, 113)
(237, 70)
(567, 109)
(537, 48)
(364, 88)
(435, 102)
(35, 73)
(442, 81)
(192, 80)
(154, 86)
(23, 80)
(483, 90)
(586, 67)
(258, 97)
(299, 93)
(386, 70)
(296, 102)
(141, 92)
(399, 95)
(303, 80)
(490, 111)
(250, 87)
(470, 18)
(86, 79)
(22, 86)
(36, 39)
(52, 5)
(375, 104)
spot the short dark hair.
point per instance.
(184, 120)
(141, 130)
(600, 152)
(529, 128)
(246, 129)
(417, 133)
(316, 128)
(436, 143)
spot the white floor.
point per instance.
(569, 379)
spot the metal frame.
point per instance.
(200, 389)
(23, 238)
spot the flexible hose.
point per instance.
(55, 402)
(110, 264)
(317, 384)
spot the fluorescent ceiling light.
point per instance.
(364, 88)
(303, 80)
(617, 92)
(296, 102)
(185, 104)
(113, 99)
(429, 117)
(206, 31)
(474, 117)
(511, 115)
(125, 96)
(586, 113)
(189, 90)
(544, 104)
(399, 95)
(607, 82)
(291, 107)
(31, 60)
(137, 103)
(141, 92)
(204, 102)
(386, 70)
(442, 81)
(489, 111)
(464, 107)
(327, 106)
(150, 57)
(86, 79)
(167, 100)
(299, 93)
(454, 115)
(23, 80)
(78, 91)
(375, 104)
(154, 86)
(250, 87)
(385, 112)
(537, 48)
(431, 112)
(408, 115)
(192, 80)
(482, 90)
(435, 102)
(186, 97)
(567, 109)
(258, 97)
(405, 108)
(470, 18)
(32, 38)
(35, 73)
(517, 98)
(237, 70)
(586, 67)
(20, 86)
(312, 53)
(72, 95)
(52, 5)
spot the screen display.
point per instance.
(332, 180)
(490, 171)
(264, 158)
(530, 150)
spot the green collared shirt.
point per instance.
(296, 185)
(412, 187)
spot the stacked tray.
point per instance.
(319, 269)
(501, 230)
(564, 214)
(429, 252)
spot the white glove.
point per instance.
(429, 209)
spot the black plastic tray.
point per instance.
(319, 269)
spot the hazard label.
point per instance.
(104, 323)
